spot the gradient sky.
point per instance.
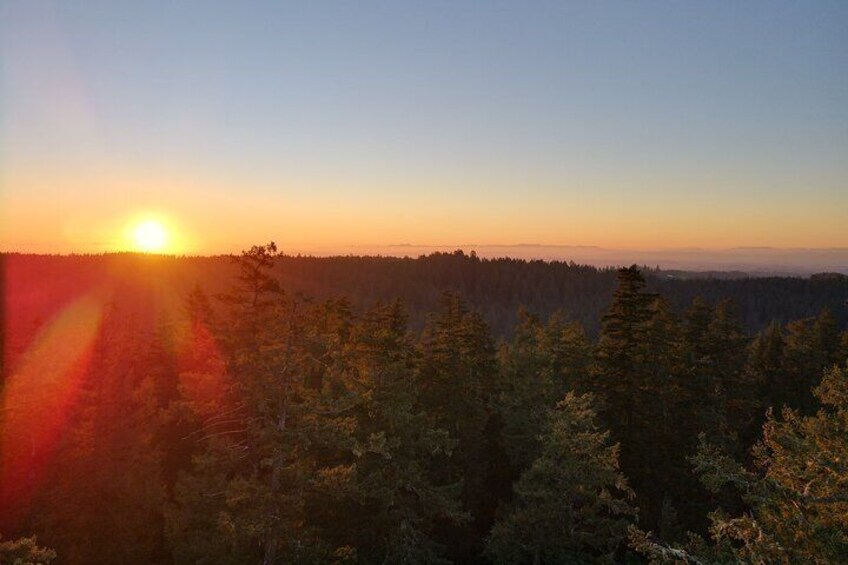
(333, 124)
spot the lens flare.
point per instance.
(39, 396)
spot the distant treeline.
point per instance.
(495, 287)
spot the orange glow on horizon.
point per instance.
(39, 218)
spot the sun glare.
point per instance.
(150, 236)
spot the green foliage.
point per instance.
(635, 373)
(797, 496)
(539, 365)
(325, 452)
(265, 454)
(458, 386)
(265, 427)
(384, 504)
(104, 503)
(25, 551)
(572, 504)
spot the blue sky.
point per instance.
(331, 123)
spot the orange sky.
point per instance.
(93, 213)
(627, 128)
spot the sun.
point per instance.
(150, 236)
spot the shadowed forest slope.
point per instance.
(36, 285)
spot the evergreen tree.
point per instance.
(810, 345)
(526, 385)
(842, 349)
(539, 365)
(798, 507)
(389, 506)
(201, 388)
(457, 386)
(103, 503)
(722, 400)
(633, 371)
(766, 366)
(572, 504)
(25, 551)
(827, 336)
(623, 359)
(734, 394)
(249, 489)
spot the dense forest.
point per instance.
(39, 284)
(275, 409)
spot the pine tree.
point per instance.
(526, 388)
(842, 349)
(766, 366)
(622, 355)
(798, 507)
(249, 488)
(572, 504)
(634, 371)
(25, 551)
(539, 365)
(811, 346)
(201, 388)
(734, 394)
(457, 384)
(103, 504)
(389, 506)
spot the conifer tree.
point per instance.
(811, 346)
(200, 388)
(539, 365)
(458, 379)
(842, 349)
(796, 494)
(733, 393)
(104, 503)
(389, 506)
(622, 354)
(526, 386)
(572, 504)
(249, 489)
(25, 551)
(766, 366)
(634, 372)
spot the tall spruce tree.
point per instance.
(632, 368)
(389, 506)
(623, 359)
(458, 380)
(537, 368)
(249, 488)
(766, 367)
(572, 505)
(796, 494)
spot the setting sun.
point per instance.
(150, 236)
(411, 281)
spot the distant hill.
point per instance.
(750, 261)
(37, 287)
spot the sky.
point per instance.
(337, 125)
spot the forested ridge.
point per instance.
(444, 409)
(496, 288)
